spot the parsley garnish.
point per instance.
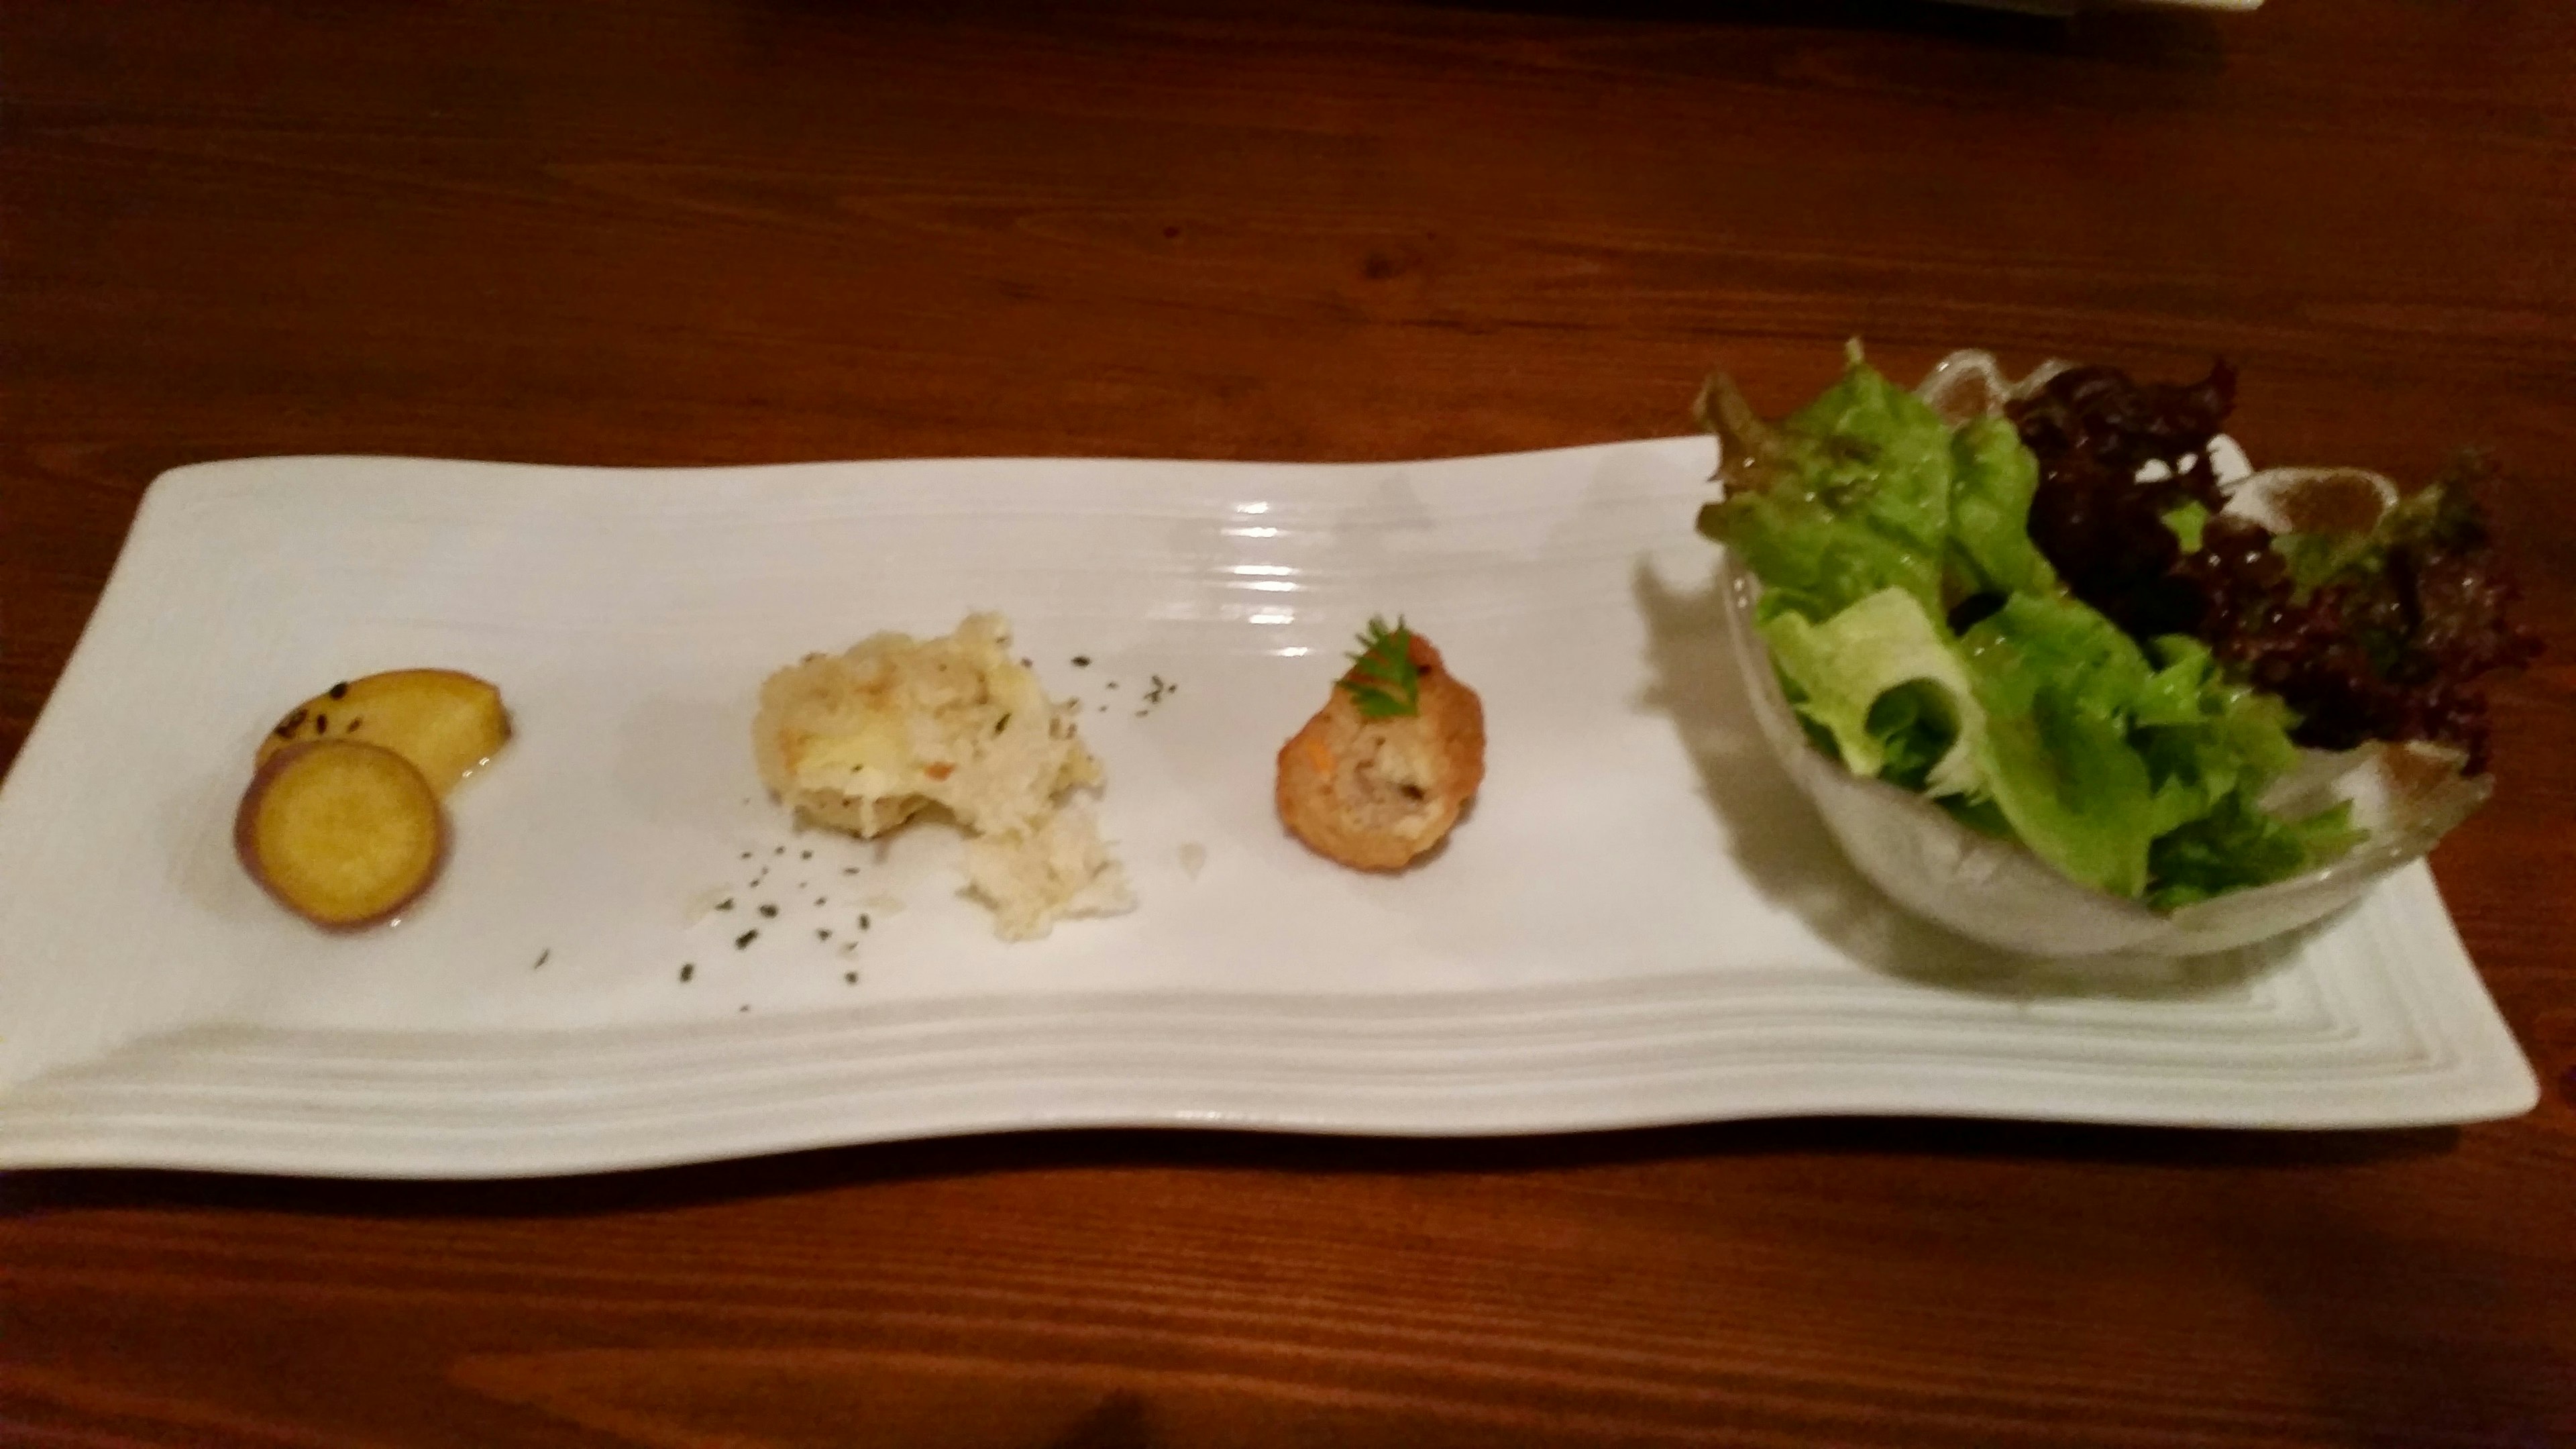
(1383, 681)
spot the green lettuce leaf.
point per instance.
(2057, 684)
(1814, 563)
(2238, 845)
(1876, 454)
(2188, 520)
(2315, 558)
(1866, 489)
(2206, 736)
(1851, 497)
(1849, 676)
(1990, 547)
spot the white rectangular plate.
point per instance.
(1640, 922)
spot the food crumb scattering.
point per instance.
(893, 728)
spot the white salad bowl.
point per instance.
(2406, 797)
(1997, 892)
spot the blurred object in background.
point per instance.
(2069, 7)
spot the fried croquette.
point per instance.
(1381, 772)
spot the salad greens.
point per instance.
(1924, 639)
(2373, 618)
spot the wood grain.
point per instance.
(694, 231)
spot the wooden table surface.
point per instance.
(703, 231)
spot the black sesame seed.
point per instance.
(805, 855)
(769, 911)
(689, 970)
(863, 923)
(822, 934)
(1082, 661)
(726, 904)
(850, 977)
(543, 957)
(340, 690)
(321, 724)
(746, 938)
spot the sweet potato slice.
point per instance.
(341, 832)
(445, 722)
